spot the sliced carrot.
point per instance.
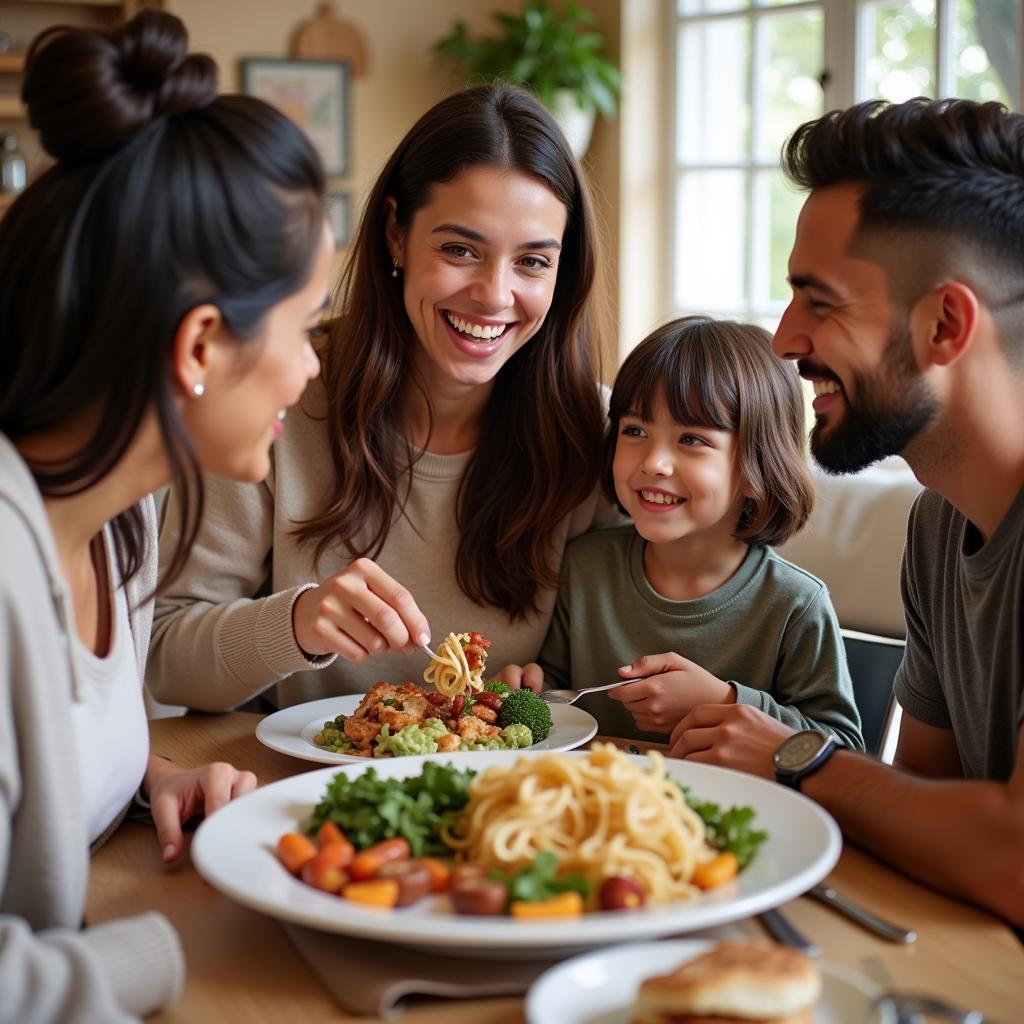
(326, 871)
(293, 850)
(566, 904)
(342, 851)
(329, 833)
(716, 871)
(440, 874)
(367, 862)
(377, 892)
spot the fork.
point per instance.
(571, 696)
(909, 1008)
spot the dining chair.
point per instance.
(873, 661)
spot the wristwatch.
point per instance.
(802, 755)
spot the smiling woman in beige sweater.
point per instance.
(157, 286)
(431, 478)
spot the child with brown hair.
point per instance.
(706, 453)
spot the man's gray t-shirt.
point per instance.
(964, 664)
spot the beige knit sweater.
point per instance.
(218, 642)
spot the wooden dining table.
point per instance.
(242, 967)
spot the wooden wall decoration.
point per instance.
(327, 37)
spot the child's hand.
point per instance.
(671, 686)
(177, 794)
(738, 736)
(517, 676)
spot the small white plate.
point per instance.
(233, 850)
(291, 730)
(599, 988)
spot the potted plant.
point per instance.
(554, 52)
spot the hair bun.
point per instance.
(89, 92)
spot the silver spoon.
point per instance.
(571, 696)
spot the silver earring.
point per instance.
(394, 268)
(198, 390)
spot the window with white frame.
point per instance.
(747, 72)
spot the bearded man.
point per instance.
(908, 318)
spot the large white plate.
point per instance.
(599, 988)
(291, 730)
(234, 850)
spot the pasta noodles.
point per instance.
(457, 665)
(602, 815)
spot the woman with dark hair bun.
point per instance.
(159, 287)
(447, 453)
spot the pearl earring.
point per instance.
(394, 268)
(198, 390)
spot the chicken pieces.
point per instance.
(408, 704)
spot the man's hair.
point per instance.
(943, 193)
(722, 374)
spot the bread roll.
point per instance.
(734, 983)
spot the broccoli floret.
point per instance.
(497, 686)
(524, 707)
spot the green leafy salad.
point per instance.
(368, 809)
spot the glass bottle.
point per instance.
(12, 166)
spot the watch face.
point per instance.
(799, 750)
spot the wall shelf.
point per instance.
(81, 3)
(11, 108)
(12, 63)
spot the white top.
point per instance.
(109, 722)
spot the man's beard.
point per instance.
(893, 404)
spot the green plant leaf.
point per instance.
(544, 49)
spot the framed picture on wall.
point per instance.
(314, 94)
(339, 216)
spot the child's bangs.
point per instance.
(692, 387)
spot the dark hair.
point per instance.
(722, 374)
(945, 176)
(163, 197)
(538, 454)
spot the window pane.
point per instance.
(776, 206)
(711, 6)
(986, 45)
(898, 57)
(791, 51)
(713, 75)
(711, 240)
(786, 203)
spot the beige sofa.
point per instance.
(854, 542)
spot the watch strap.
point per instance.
(793, 779)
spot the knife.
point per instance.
(827, 895)
(781, 930)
